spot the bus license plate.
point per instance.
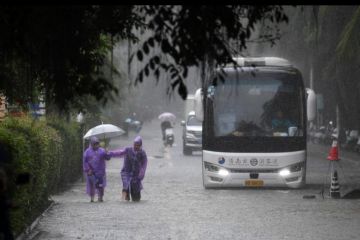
(254, 183)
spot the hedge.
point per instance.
(51, 152)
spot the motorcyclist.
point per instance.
(167, 121)
(132, 123)
(164, 125)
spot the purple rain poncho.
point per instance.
(134, 167)
(95, 160)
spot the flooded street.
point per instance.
(175, 205)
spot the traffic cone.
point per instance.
(334, 152)
(335, 186)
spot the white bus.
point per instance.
(254, 125)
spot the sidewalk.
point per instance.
(319, 167)
(344, 155)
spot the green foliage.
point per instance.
(332, 55)
(60, 50)
(71, 149)
(349, 43)
(52, 156)
(189, 35)
(323, 11)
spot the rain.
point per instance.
(180, 122)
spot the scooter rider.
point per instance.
(167, 121)
(164, 125)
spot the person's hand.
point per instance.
(90, 172)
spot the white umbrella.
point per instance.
(104, 131)
(167, 116)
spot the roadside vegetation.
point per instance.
(50, 152)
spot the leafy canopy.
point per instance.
(60, 50)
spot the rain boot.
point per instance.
(101, 194)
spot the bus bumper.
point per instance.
(221, 170)
(218, 180)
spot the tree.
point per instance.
(347, 53)
(59, 50)
(62, 48)
(330, 35)
(192, 35)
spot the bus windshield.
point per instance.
(258, 104)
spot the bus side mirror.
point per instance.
(310, 104)
(198, 105)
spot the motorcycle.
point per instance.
(132, 125)
(169, 137)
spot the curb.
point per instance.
(29, 229)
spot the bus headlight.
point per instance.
(223, 172)
(291, 169)
(284, 172)
(213, 168)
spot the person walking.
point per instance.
(94, 166)
(133, 170)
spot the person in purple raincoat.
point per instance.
(94, 166)
(133, 171)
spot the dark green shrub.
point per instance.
(71, 162)
(51, 152)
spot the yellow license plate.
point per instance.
(254, 183)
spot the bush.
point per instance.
(51, 152)
(71, 164)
